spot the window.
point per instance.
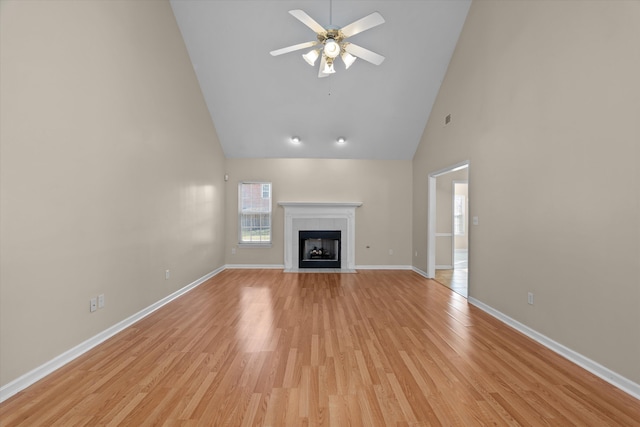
(254, 212)
(458, 215)
(266, 191)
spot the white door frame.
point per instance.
(466, 217)
(431, 212)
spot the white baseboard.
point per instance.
(383, 267)
(254, 266)
(420, 272)
(444, 267)
(281, 267)
(595, 368)
(57, 362)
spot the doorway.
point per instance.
(448, 227)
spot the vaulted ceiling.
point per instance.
(258, 102)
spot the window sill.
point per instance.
(254, 245)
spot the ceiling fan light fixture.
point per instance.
(341, 140)
(331, 48)
(311, 56)
(295, 140)
(348, 59)
(328, 67)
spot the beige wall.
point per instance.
(545, 100)
(111, 171)
(383, 222)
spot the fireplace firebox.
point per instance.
(319, 249)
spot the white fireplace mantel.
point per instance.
(319, 216)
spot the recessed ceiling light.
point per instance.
(295, 139)
(341, 140)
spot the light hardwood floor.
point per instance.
(456, 280)
(376, 348)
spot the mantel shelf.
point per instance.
(321, 204)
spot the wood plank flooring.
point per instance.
(456, 280)
(267, 348)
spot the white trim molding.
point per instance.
(595, 368)
(254, 266)
(320, 216)
(59, 361)
(383, 267)
(431, 213)
(421, 272)
(321, 270)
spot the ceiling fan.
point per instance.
(333, 43)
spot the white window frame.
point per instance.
(266, 185)
(269, 212)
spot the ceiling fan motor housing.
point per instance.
(333, 34)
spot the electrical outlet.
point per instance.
(233, 251)
(390, 251)
(93, 304)
(416, 253)
(167, 274)
(101, 301)
(530, 298)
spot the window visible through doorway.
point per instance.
(458, 215)
(254, 213)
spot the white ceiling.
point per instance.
(258, 102)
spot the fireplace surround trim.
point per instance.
(319, 212)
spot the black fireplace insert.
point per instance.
(319, 249)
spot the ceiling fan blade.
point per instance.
(362, 24)
(363, 53)
(292, 48)
(323, 62)
(308, 21)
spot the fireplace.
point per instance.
(317, 216)
(319, 249)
